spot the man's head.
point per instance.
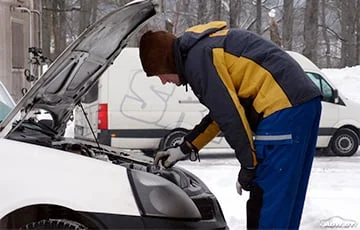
(156, 54)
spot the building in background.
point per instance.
(20, 43)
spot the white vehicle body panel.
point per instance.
(334, 115)
(137, 103)
(68, 178)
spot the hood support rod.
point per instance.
(87, 120)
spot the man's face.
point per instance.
(171, 78)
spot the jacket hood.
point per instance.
(198, 32)
(183, 44)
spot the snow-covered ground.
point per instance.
(334, 189)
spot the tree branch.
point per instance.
(62, 10)
(332, 32)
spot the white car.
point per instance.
(48, 181)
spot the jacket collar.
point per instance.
(183, 44)
(180, 58)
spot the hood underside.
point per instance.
(80, 65)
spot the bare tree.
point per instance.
(85, 14)
(338, 21)
(59, 27)
(47, 18)
(201, 11)
(288, 21)
(235, 12)
(357, 24)
(325, 33)
(216, 8)
(348, 24)
(274, 31)
(311, 29)
(258, 16)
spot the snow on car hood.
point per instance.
(80, 65)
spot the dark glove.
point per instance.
(245, 179)
(172, 155)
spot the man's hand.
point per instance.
(170, 156)
(238, 188)
(245, 179)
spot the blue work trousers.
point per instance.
(285, 145)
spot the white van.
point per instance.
(126, 106)
(340, 120)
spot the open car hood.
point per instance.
(80, 65)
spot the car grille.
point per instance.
(206, 208)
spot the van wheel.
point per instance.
(54, 224)
(345, 142)
(173, 138)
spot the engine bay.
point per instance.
(35, 132)
(40, 133)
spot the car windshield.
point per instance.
(6, 102)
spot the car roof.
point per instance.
(304, 62)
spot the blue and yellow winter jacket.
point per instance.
(241, 78)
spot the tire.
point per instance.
(345, 142)
(54, 224)
(149, 152)
(173, 138)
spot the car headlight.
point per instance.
(159, 197)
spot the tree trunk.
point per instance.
(288, 21)
(258, 16)
(357, 32)
(47, 18)
(311, 29)
(235, 9)
(201, 11)
(85, 14)
(274, 32)
(216, 8)
(59, 28)
(324, 32)
(94, 6)
(348, 22)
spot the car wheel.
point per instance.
(54, 224)
(148, 152)
(345, 142)
(173, 138)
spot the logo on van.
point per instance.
(152, 98)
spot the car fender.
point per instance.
(34, 174)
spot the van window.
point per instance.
(325, 88)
